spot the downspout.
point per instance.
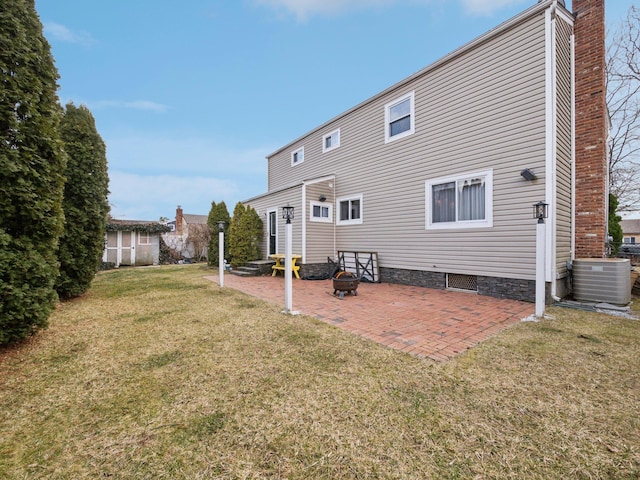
(551, 148)
(304, 223)
(335, 216)
(573, 148)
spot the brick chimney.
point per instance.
(179, 220)
(590, 130)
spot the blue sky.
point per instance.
(191, 96)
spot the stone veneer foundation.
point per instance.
(514, 289)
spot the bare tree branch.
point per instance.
(623, 89)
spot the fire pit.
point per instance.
(345, 282)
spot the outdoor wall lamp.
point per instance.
(528, 174)
(540, 211)
(322, 198)
(287, 213)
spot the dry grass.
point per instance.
(157, 373)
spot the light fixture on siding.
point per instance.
(322, 198)
(528, 174)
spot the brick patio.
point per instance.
(437, 324)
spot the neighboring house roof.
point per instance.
(630, 226)
(195, 219)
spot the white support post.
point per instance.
(288, 293)
(221, 257)
(540, 268)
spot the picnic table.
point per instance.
(279, 266)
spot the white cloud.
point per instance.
(56, 31)
(487, 7)
(135, 105)
(152, 173)
(184, 154)
(303, 9)
(148, 197)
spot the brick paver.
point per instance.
(438, 324)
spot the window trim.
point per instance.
(326, 149)
(293, 155)
(461, 224)
(313, 218)
(387, 117)
(148, 238)
(349, 198)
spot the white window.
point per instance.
(465, 201)
(349, 210)
(144, 238)
(331, 141)
(399, 118)
(297, 156)
(321, 212)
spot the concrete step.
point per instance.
(246, 271)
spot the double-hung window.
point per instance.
(464, 201)
(331, 141)
(321, 212)
(399, 118)
(297, 156)
(349, 210)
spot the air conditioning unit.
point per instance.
(602, 280)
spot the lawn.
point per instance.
(158, 373)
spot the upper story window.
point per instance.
(399, 118)
(331, 141)
(297, 156)
(349, 210)
(321, 212)
(465, 201)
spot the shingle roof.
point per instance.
(630, 226)
(195, 219)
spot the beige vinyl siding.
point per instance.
(563, 165)
(482, 110)
(320, 235)
(275, 201)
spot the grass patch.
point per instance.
(158, 373)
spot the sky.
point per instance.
(190, 97)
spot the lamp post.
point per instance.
(221, 252)
(540, 213)
(287, 214)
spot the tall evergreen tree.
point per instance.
(217, 213)
(615, 230)
(85, 202)
(31, 172)
(245, 233)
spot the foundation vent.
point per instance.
(466, 283)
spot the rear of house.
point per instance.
(428, 174)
